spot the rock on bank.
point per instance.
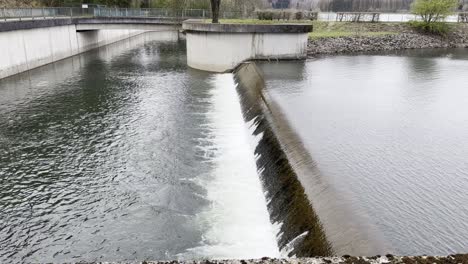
(362, 43)
(453, 259)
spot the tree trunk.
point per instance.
(215, 10)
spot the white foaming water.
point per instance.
(237, 223)
(290, 246)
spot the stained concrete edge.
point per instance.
(56, 22)
(196, 25)
(32, 24)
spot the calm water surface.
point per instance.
(389, 134)
(126, 154)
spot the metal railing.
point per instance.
(162, 13)
(7, 14)
(382, 17)
(12, 14)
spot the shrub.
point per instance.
(268, 15)
(277, 15)
(286, 15)
(436, 28)
(299, 15)
(264, 15)
(433, 10)
(432, 13)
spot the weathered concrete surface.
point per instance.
(22, 50)
(221, 47)
(31, 24)
(25, 49)
(136, 26)
(121, 23)
(142, 23)
(197, 25)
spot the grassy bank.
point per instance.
(345, 29)
(331, 29)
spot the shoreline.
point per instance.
(403, 37)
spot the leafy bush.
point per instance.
(267, 14)
(436, 28)
(277, 15)
(432, 13)
(286, 15)
(299, 15)
(433, 10)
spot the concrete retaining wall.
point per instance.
(22, 50)
(221, 47)
(25, 45)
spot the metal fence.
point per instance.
(155, 12)
(383, 17)
(7, 14)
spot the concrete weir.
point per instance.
(301, 198)
(221, 47)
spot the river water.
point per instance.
(124, 153)
(388, 134)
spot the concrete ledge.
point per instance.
(32, 24)
(221, 47)
(56, 22)
(126, 20)
(200, 26)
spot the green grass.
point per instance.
(323, 29)
(336, 34)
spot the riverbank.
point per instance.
(335, 37)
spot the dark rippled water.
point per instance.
(124, 153)
(388, 134)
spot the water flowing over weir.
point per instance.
(237, 222)
(126, 154)
(301, 233)
(310, 213)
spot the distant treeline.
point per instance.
(352, 5)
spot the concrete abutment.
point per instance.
(25, 45)
(221, 47)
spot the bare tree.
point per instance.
(215, 10)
